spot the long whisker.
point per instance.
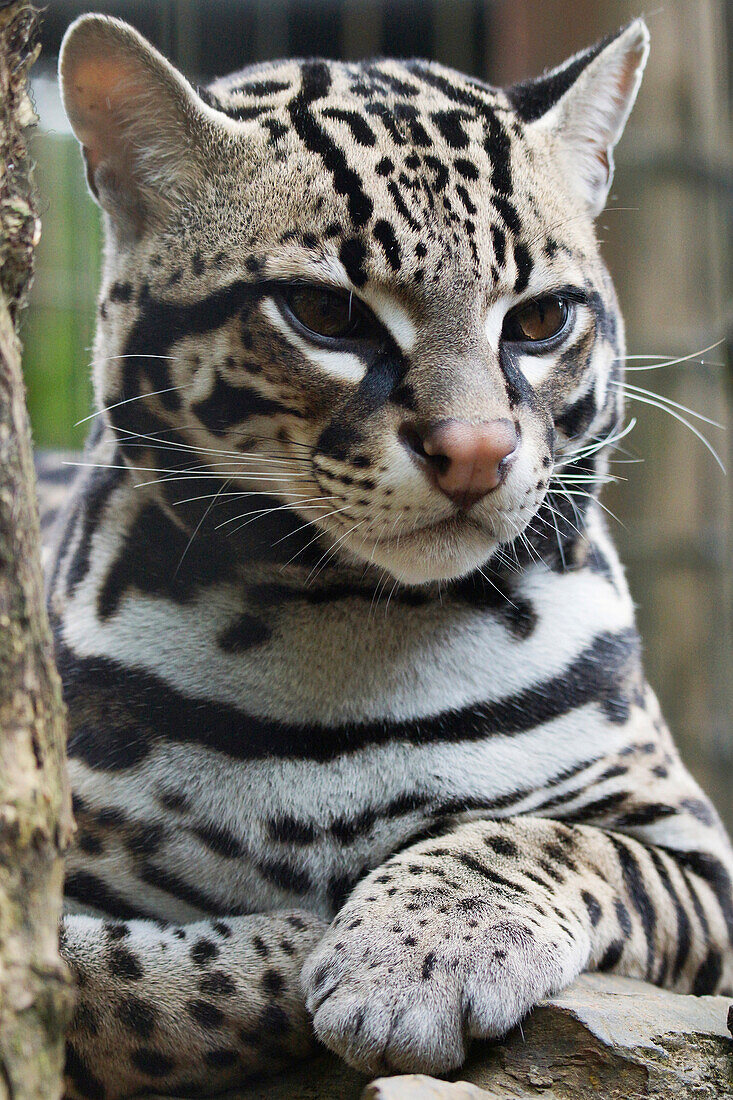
(557, 533)
(495, 587)
(677, 416)
(328, 555)
(607, 441)
(590, 496)
(668, 401)
(334, 512)
(279, 507)
(137, 355)
(381, 585)
(198, 427)
(262, 512)
(391, 594)
(220, 474)
(568, 494)
(229, 495)
(197, 452)
(171, 444)
(196, 531)
(138, 397)
(670, 361)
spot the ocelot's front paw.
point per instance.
(406, 976)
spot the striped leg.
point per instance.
(461, 935)
(194, 1007)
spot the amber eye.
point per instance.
(536, 321)
(326, 313)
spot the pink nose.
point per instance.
(466, 461)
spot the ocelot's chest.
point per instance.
(250, 741)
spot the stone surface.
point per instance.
(418, 1087)
(604, 1038)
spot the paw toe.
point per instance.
(356, 1030)
(426, 1038)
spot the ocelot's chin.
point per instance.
(442, 552)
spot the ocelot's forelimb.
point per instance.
(190, 1008)
(459, 936)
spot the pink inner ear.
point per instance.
(628, 73)
(626, 78)
(100, 87)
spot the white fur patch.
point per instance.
(339, 364)
(393, 316)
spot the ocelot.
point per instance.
(360, 742)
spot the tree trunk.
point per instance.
(35, 811)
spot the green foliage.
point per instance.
(59, 320)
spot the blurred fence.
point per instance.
(667, 236)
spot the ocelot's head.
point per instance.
(371, 292)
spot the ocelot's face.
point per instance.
(383, 306)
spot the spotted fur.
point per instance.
(321, 719)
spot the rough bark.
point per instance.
(35, 811)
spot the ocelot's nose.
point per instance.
(464, 460)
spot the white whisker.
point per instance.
(677, 416)
(328, 555)
(138, 397)
(671, 361)
(626, 386)
(334, 512)
(196, 531)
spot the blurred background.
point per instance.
(667, 238)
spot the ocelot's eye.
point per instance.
(327, 313)
(537, 321)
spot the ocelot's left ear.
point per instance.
(583, 106)
(145, 133)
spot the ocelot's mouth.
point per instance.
(459, 523)
(437, 551)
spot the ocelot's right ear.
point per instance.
(144, 131)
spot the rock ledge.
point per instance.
(604, 1038)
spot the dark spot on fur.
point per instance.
(173, 800)
(85, 1081)
(220, 1058)
(273, 982)
(152, 1062)
(244, 633)
(611, 955)
(217, 983)
(138, 1016)
(384, 233)
(120, 292)
(274, 1021)
(708, 975)
(353, 255)
(260, 947)
(593, 906)
(123, 964)
(203, 951)
(502, 846)
(206, 1014)
(116, 930)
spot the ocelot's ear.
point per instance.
(583, 106)
(143, 129)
